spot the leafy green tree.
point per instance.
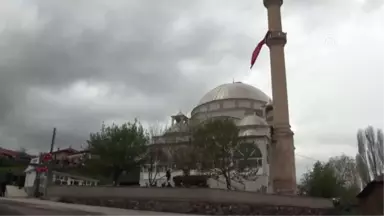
(216, 140)
(216, 145)
(370, 157)
(338, 178)
(117, 149)
(185, 158)
(321, 181)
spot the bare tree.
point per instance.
(155, 153)
(345, 169)
(370, 158)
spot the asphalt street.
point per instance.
(8, 207)
(35, 207)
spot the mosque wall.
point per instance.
(230, 104)
(262, 143)
(245, 103)
(237, 113)
(241, 102)
(269, 116)
(219, 183)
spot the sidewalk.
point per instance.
(93, 209)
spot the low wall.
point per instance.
(196, 200)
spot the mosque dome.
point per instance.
(236, 90)
(252, 120)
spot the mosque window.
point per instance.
(259, 113)
(248, 150)
(259, 162)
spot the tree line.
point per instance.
(344, 176)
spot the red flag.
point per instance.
(47, 157)
(41, 169)
(257, 50)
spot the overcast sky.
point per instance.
(73, 64)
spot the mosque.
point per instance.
(252, 112)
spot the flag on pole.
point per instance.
(257, 50)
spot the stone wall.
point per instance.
(196, 201)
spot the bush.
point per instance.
(191, 181)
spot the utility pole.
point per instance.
(37, 178)
(49, 172)
(48, 178)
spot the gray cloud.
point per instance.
(73, 64)
(132, 48)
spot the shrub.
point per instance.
(191, 181)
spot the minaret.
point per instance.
(283, 170)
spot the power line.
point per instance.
(307, 157)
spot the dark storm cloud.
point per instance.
(129, 44)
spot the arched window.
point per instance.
(247, 150)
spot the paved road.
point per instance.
(25, 206)
(8, 207)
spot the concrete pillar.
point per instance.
(283, 170)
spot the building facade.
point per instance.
(64, 159)
(252, 112)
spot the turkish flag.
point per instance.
(257, 50)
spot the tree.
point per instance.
(116, 149)
(370, 157)
(154, 154)
(346, 171)
(185, 158)
(321, 181)
(154, 157)
(215, 145)
(338, 178)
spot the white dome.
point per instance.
(235, 90)
(252, 120)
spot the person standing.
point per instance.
(3, 188)
(7, 180)
(168, 176)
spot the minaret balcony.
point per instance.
(268, 3)
(276, 38)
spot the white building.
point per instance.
(58, 178)
(249, 107)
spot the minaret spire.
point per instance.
(283, 169)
